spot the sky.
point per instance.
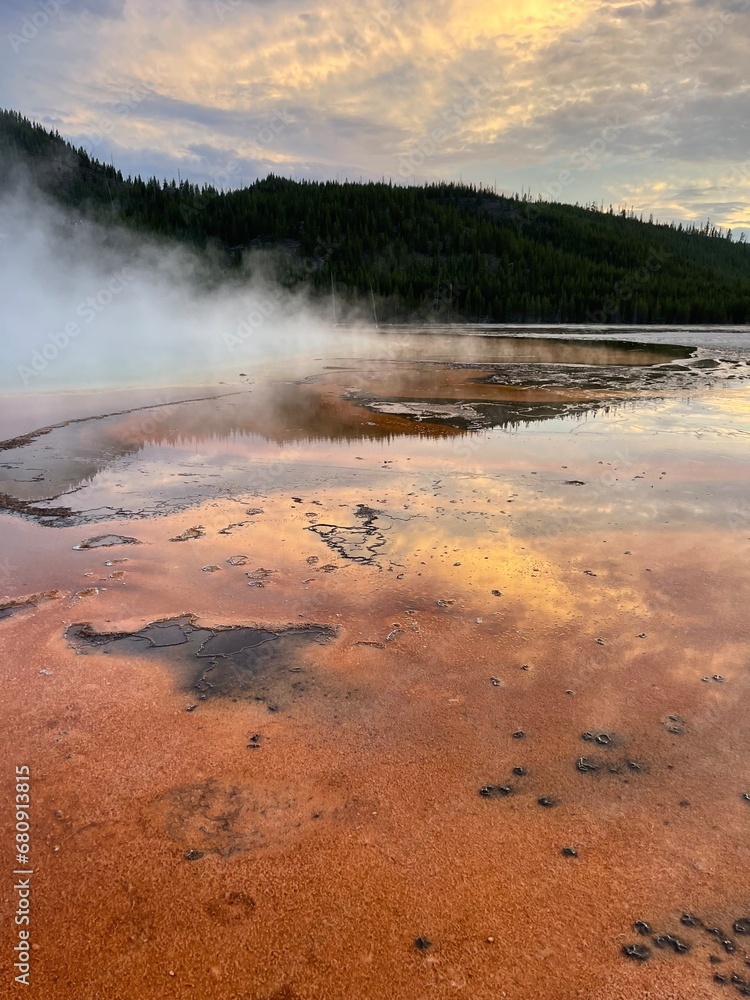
(643, 104)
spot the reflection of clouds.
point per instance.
(366, 82)
(206, 448)
(432, 535)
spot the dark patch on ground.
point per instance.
(356, 543)
(692, 924)
(212, 817)
(472, 414)
(9, 608)
(624, 767)
(600, 738)
(27, 508)
(231, 908)
(106, 541)
(637, 951)
(265, 665)
(495, 791)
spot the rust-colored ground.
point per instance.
(357, 827)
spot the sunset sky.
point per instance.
(644, 104)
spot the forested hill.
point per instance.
(439, 252)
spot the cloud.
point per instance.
(366, 84)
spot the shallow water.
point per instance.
(486, 550)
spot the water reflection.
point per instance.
(322, 415)
(466, 344)
(280, 415)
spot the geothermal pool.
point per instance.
(417, 668)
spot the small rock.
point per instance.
(586, 766)
(259, 574)
(637, 951)
(668, 941)
(189, 534)
(105, 541)
(495, 791)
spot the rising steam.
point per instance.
(89, 306)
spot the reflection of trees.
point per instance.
(70, 457)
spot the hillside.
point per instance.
(439, 252)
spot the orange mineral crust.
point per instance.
(401, 720)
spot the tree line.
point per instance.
(437, 252)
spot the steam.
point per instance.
(84, 306)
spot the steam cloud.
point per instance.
(85, 306)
